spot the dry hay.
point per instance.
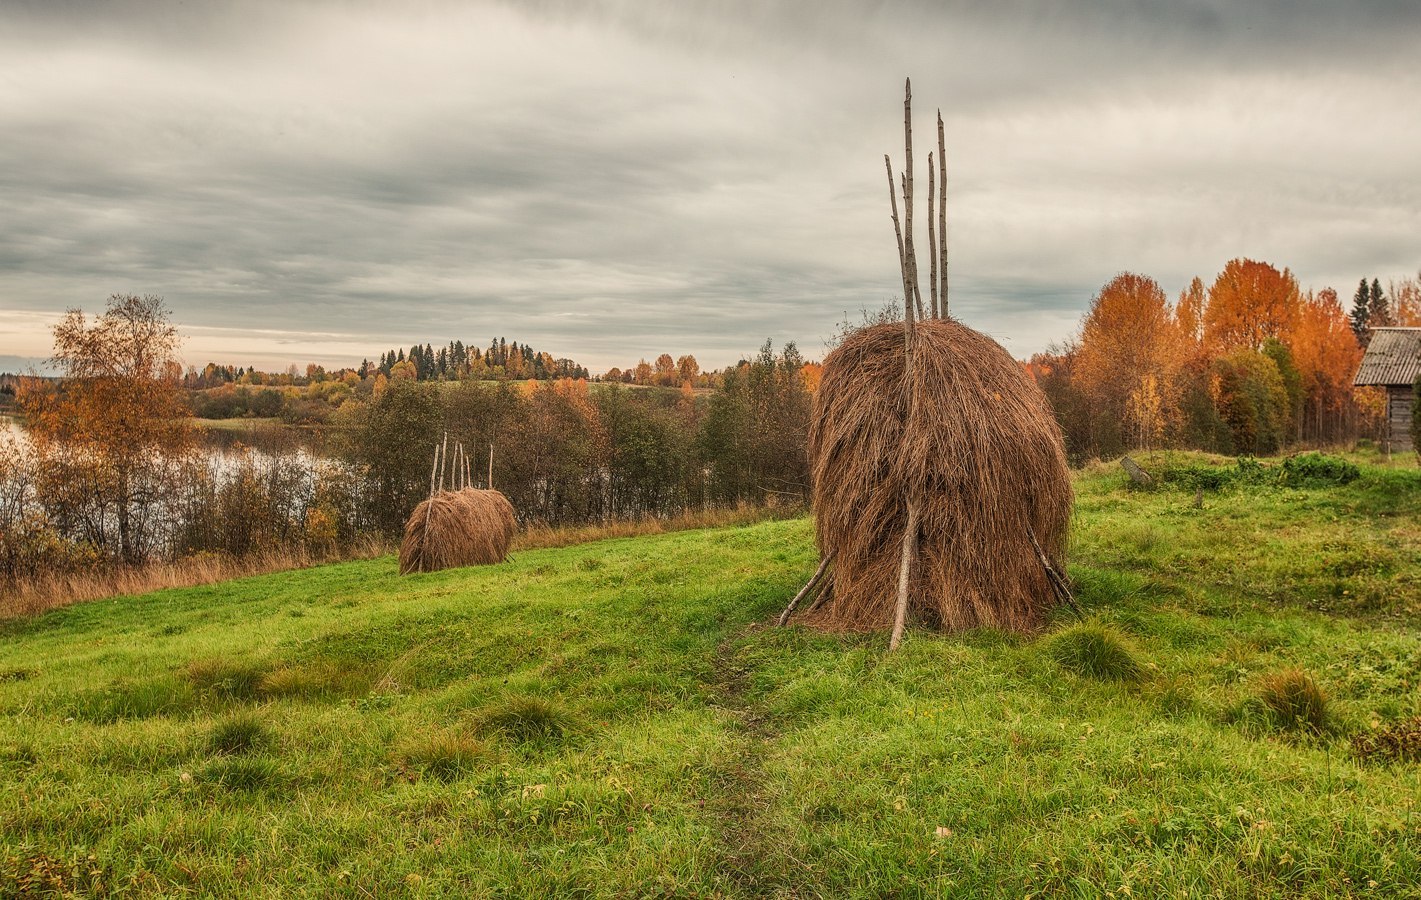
(973, 444)
(457, 528)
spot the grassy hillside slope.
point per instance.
(616, 719)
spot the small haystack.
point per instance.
(940, 481)
(471, 527)
(462, 527)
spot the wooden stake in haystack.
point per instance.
(462, 526)
(940, 480)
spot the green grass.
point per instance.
(619, 719)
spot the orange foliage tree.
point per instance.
(1327, 354)
(1127, 360)
(1406, 301)
(1249, 303)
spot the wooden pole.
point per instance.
(942, 216)
(490, 466)
(898, 233)
(909, 256)
(905, 572)
(445, 463)
(434, 469)
(932, 241)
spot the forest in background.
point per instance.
(112, 472)
(1251, 364)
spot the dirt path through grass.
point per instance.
(739, 786)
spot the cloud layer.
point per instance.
(614, 180)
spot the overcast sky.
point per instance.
(609, 181)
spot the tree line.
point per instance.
(1249, 364)
(110, 472)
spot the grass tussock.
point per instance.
(226, 679)
(242, 774)
(445, 756)
(527, 720)
(315, 681)
(241, 734)
(1294, 701)
(1392, 743)
(1097, 651)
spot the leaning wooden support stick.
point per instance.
(905, 574)
(808, 587)
(1055, 578)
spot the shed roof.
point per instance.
(1393, 357)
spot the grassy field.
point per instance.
(617, 719)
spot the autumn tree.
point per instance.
(390, 440)
(1127, 359)
(687, 369)
(1406, 301)
(1189, 317)
(756, 427)
(665, 370)
(1253, 400)
(109, 435)
(1249, 303)
(1326, 353)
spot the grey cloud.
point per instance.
(615, 180)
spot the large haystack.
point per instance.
(940, 480)
(971, 441)
(457, 528)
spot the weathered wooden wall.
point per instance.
(1399, 403)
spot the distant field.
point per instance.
(239, 424)
(617, 719)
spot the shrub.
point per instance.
(1397, 742)
(1294, 700)
(239, 734)
(1317, 469)
(1095, 651)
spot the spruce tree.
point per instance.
(1378, 312)
(1361, 312)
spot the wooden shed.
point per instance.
(1393, 361)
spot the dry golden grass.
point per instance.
(54, 591)
(48, 592)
